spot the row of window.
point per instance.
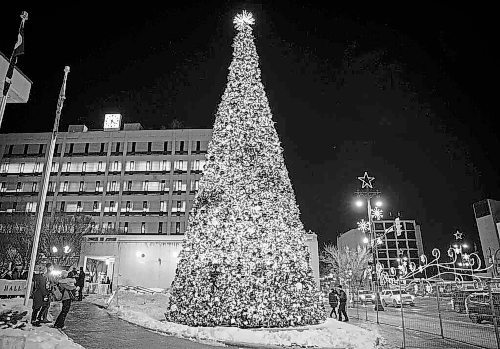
(381, 226)
(75, 149)
(100, 166)
(131, 207)
(113, 187)
(142, 227)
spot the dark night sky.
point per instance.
(402, 92)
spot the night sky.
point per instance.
(405, 93)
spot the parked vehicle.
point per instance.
(479, 308)
(364, 296)
(396, 299)
(458, 299)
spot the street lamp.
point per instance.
(367, 193)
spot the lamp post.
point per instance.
(367, 193)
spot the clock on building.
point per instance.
(112, 121)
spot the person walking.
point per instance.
(333, 299)
(342, 303)
(40, 295)
(67, 286)
(50, 282)
(80, 282)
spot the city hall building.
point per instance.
(138, 185)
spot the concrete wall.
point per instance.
(151, 260)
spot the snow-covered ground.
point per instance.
(148, 310)
(30, 337)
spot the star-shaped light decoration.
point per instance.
(364, 226)
(366, 181)
(244, 19)
(458, 235)
(377, 213)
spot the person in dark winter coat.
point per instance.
(80, 282)
(342, 303)
(50, 282)
(41, 300)
(333, 299)
(66, 285)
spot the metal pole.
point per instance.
(7, 82)
(494, 315)
(439, 310)
(374, 256)
(45, 184)
(402, 313)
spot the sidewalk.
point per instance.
(394, 337)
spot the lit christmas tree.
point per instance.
(244, 260)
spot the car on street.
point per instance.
(478, 306)
(396, 298)
(364, 296)
(458, 299)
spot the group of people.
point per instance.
(46, 287)
(338, 298)
(14, 274)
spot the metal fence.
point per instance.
(467, 317)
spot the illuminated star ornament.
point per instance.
(366, 181)
(363, 225)
(458, 235)
(377, 213)
(243, 20)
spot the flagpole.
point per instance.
(45, 184)
(7, 81)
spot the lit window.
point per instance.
(82, 186)
(100, 167)
(84, 167)
(34, 187)
(125, 228)
(143, 228)
(68, 166)
(145, 206)
(148, 165)
(19, 187)
(128, 206)
(145, 185)
(160, 227)
(163, 206)
(79, 206)
(95, 206)
(177, 227)
(65, 186)
(21, 168)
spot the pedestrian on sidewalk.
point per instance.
(333, 299)
(40, 295)
(80, 282)
(67, 287)
(342, 303)
(50, 282)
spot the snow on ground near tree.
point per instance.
(148, 310)
(30, 337)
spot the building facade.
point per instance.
(408, 246)
(487, 214)
(130, 181)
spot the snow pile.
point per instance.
(147, 311)
(31, 337)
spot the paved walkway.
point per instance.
(93, 328)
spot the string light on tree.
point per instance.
(244, 260)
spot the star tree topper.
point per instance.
(243, 20)
(366, 181)
(458, 235)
